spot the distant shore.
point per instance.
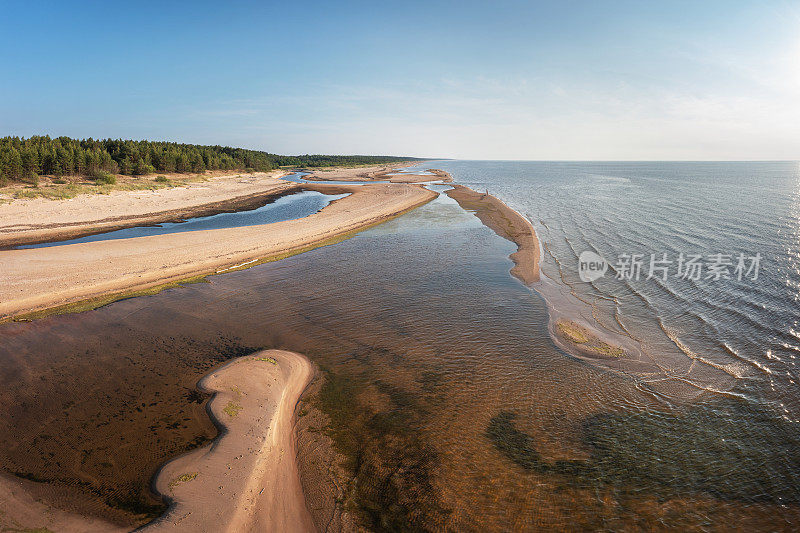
(386, 173)
(42, 279)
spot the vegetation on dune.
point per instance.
(232, 409)
(25, 160)
(183, 478)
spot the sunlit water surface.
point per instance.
(506, 430)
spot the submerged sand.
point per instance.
(35, 279)
(22, 509)
(247, 479)
(508, 224)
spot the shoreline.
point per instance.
(506, 223)
(386, 173)
(247, 477)
(28, 221)
(52, 278)
(572, 334)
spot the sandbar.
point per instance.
(247, 478)
(508, 224)
(42, 278)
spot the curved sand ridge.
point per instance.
(508, 224)
(34, 279)
(247, 479)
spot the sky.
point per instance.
(560, 80)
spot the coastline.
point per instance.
(29, 221)
(386, 173)
(41, 279)
(508, 224)
(247, 478)
(399, 375)
(573, 334)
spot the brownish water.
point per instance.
(462, 413)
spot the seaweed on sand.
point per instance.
(729, 449)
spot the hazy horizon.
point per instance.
(524, 81)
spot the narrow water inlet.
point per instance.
(287, 207)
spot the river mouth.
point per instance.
(441, 386)
(290, 206)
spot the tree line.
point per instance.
(24, 159)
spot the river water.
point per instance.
(446, 392)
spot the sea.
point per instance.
(441, 383)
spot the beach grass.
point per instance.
(183, 478)
(232, 409)
(64, 189)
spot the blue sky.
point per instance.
(478, 80)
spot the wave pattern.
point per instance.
(717, 336)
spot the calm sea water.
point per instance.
(461, 411)
(730, 336)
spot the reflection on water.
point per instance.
(288, 207)
(444, 390)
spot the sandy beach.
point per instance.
(247, 479)
(35, 279)
(508, 224)
(385, 173)
(25, 221)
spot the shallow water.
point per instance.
(725, 336)
(289, 207)
(468, 416)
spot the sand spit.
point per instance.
(356, 173)
(434, 174)
(35, 279)
(247, 479)
(25, 221)
(389, 174)
(508, 224)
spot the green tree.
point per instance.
(13, 166)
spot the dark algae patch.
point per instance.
(84, 430)
(390, 464)
(513, 443)
(727, 449)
